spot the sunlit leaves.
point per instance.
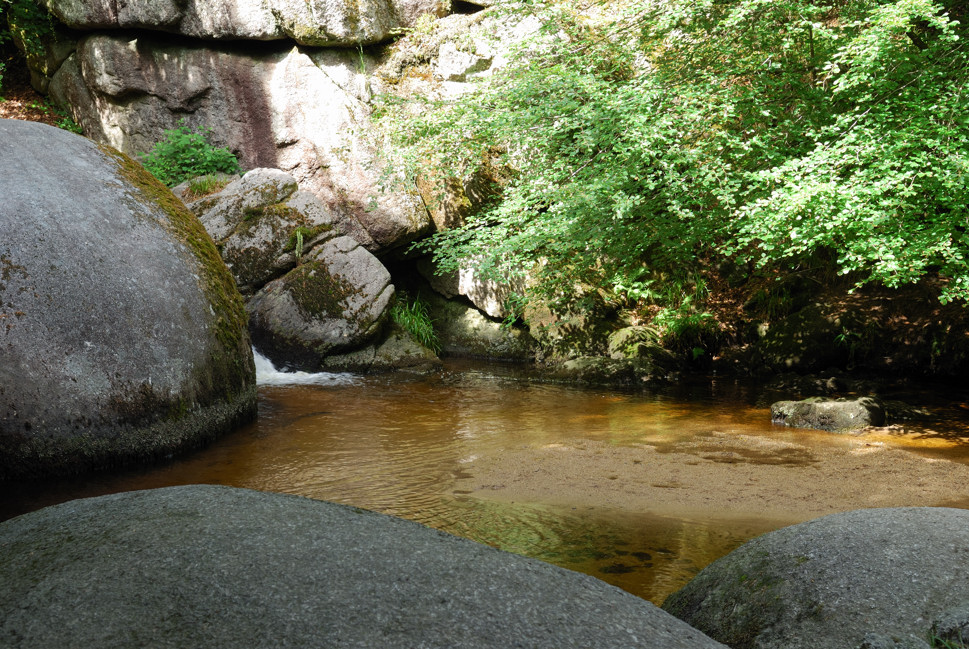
(759, 129)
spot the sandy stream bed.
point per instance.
(726, 475)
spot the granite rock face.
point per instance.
(304, 111)
(873, 578)
(217, 567)
(334, 301)
(122, 335)
(308, 22)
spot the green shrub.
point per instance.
(411, 316)
(186, 153)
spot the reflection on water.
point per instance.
(397, 444)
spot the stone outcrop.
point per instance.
(301, 110)
(836, 415)
(307, 22)
(874, 578)
(122, 335)
(464, 331)
(217, 567)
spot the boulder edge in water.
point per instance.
(122, 334)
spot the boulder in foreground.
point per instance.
(866, 579)
(209, 566)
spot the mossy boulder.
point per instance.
(334, 301)
(264, 224)
(122, 335)
(867, 578)
(836, 415)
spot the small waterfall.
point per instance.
(267, 374)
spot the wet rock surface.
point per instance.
(866, 578)
(836, 415)
(209, 566)
(122, 335)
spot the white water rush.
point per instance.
(267, 374)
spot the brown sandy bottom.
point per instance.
(725, 476)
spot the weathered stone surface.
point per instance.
(263, 225)
(302, 111)
(399, 350)
(464, 331)
(216, 567)
(122, 335)
(837, 415)
(597, 370)
(830, 582)
(334, 301)
(308, 22)
(491, 297)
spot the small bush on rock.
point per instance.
(186, 153)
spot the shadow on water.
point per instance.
(399, 445)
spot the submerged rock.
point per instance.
(217, 567)
(869, 576)
(837, 415)
(122, 335)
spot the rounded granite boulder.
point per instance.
(122, 335)
(214, 567)
(865, 579)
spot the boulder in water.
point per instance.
(122, 335)
(836, 415)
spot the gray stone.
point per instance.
(264, 225)
(304, 111)
(953, 625)
(399, 350)
(464, 331)
(836, 415)
(490, 297)
(598, 370)
(122, 335)
(335, 300)
(217, 567)
(308, 22)
(830, 582)
(881, 641)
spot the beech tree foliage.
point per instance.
(656, 136)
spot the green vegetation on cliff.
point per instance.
(647, 140)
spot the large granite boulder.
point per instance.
(304, 111)
(308, 22)
(122, 335)
(208, 566)
(868, 578)
(334, 301)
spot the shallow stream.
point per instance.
(413, 446)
